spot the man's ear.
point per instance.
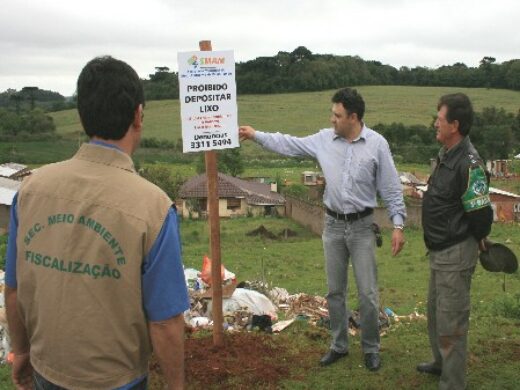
(455, 125)
(138, 117)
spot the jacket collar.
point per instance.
(100, 154)
(450, 157)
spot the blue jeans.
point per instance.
(40, 383)
(354, 241)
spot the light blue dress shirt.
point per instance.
(355, 172)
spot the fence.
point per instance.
(310, 214)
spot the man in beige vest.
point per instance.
(94, 272)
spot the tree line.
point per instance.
(29, 98)
(301, 70)
(495, 133)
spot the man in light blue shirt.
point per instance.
(357, 165)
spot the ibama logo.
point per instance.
(206, 62)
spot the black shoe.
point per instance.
(429, 368)
(372, 361)
(331, 357)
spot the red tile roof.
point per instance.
(232, 187)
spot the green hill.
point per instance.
(304, 113)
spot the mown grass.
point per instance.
(297, 264)
(304, 113)
(295, 113)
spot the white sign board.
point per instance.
(207, 92)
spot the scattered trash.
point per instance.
(410, 317)
(205, 274)
(281, 325)
(198, 322)
(251, 305)
(278, 295)
(314, 307)
(256, 285)
(255, 302)
(262, 323)
(4, 338)
(227, 291)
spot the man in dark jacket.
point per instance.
(456, 216)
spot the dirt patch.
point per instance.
(262, 232)
(248, 361)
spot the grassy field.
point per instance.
(297, 265)
(297, 113)
(304, 113)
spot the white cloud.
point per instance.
(46, 43)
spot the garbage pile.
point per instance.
(4, 341)
(253, 305)
(249, 305)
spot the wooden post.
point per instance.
(214, 228)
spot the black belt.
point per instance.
(350, 217)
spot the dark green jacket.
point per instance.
(456, 203)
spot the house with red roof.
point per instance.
(237, 197)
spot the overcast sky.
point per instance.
(45, 43)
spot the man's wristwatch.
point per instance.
(400, 227)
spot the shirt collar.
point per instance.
(106, 144)
(362, 135)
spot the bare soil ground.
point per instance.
(247, 361)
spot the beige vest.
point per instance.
(85, 226)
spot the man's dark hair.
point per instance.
(459, 108)
(351, 100)
(109, 92)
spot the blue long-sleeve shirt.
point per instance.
(354, 171)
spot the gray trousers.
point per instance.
(354, 241)
(448, 310)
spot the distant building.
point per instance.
(412, 186)
(237, 197)
(264, 180)
(498, 168)
(8, 188)
(14, 171)
(311, 178)
(506, 205)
